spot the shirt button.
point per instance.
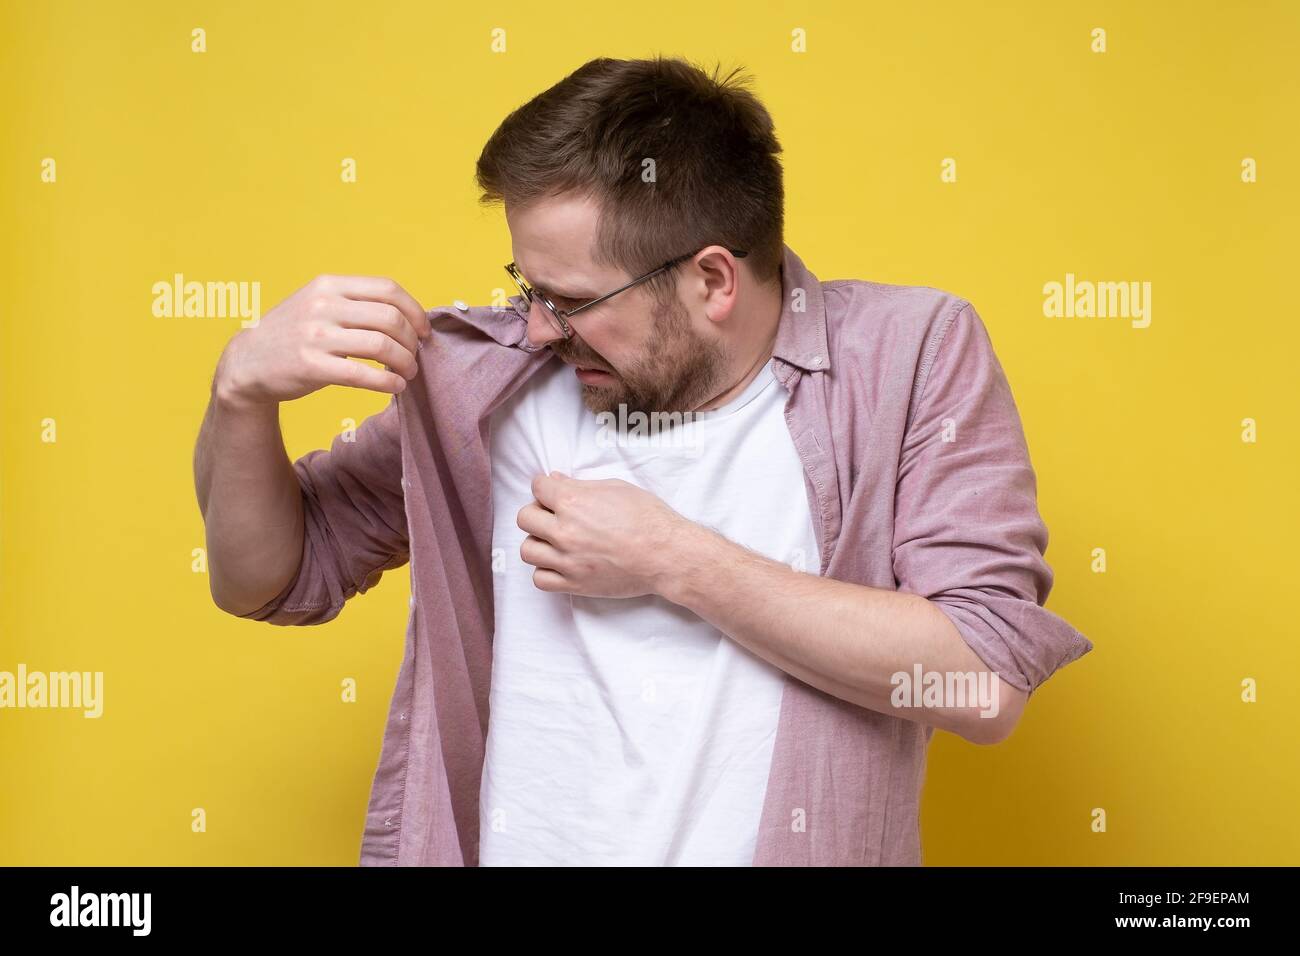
(461, 305)
(816, 360)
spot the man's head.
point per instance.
(614, 171)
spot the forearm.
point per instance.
(251, 503)
(845, 639)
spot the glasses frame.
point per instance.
(561, 316)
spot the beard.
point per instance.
(681, 374)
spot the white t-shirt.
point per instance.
(630, 731)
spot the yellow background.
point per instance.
(225, 165)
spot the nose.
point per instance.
(541, 329)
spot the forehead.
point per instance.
(551, 241)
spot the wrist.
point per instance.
(228, 400)
(227, 393)
(683, 564)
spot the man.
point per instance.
(726, 639)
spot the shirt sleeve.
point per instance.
(354, 517)
(967, 532)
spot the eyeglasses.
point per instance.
(559, 318)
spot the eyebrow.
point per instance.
(557, 293)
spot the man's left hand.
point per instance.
(598, 538)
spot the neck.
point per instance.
(754, 357)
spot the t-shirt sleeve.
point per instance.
(967, 533)
(354, 517)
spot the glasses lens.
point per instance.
(551, 317)
(555, 320)
(530, 296)
(521, 286)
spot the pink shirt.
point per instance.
(874, 372)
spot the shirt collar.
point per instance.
(801, 332)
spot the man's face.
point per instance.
(653, 359)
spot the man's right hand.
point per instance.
(307, 342)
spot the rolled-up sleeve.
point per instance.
(967, 532)
(354, 518)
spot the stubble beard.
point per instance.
(682, 371)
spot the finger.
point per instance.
(545, 490)
(379, 289)
(547, 580)
(369, 344)
(537, 521)
(381, 317)
(342, 371)
(540, 553)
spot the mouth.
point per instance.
(589, 375)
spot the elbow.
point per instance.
(233, 606)
(987, 730)
(995, 724)
(235, 602)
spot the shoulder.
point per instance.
(890, 330)
(872, 311)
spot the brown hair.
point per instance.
(717, 178)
